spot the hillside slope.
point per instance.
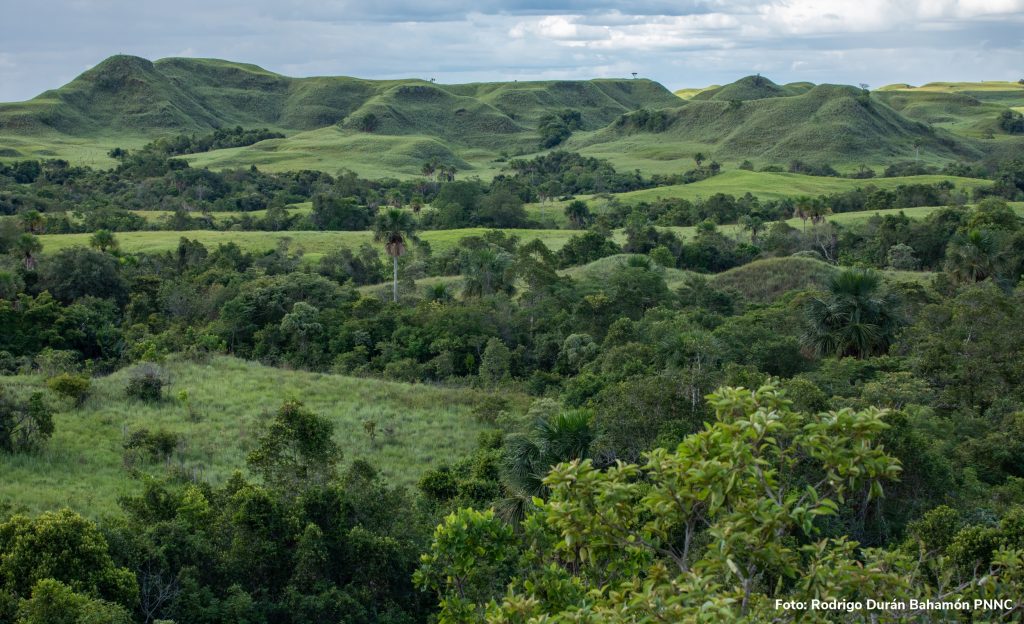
(827, 123)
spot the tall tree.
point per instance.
(393, 227)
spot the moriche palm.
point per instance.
(394, 227)
(856, 316)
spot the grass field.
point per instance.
(313, 244)
(156, 216)
(418, 427)
(737, 182)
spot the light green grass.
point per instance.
(767, 185)
(156, 216)
(82, 465)
(313, 244)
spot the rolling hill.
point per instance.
(770, 124)
(390, 127)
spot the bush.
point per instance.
(74, 387)
(155, 445)
(146, 384)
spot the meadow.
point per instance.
(82, 466)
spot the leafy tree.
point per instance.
(578, 214)
(714, 530)
(974, 256)
(78, 272)
(53, 602)
(472, 555)
(495, 362)
(855, 316)
(528, 457)
(65, 547)
(28, 247)
(24, 425)
(392, 228)
(339, 213)
(103, 240)
(297, 451)
(487, 270)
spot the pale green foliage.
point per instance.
(469, 559)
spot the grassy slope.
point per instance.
(82, 467)
(827, 123)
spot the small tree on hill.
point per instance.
(103, 240)
(297, 451)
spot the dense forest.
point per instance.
(677, 428)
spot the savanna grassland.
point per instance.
(294, 350)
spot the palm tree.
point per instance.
(28, 246)
(487, 270)
(103, 240)
(974, 256)
(529, 457)
(802, 209)
(392, 228)
(578, 214)
(856, 316)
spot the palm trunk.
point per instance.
(394, 289)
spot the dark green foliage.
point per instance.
(146, 384)
(855, 316)
(555, 128)
(25, 425)
(335, 213)
(297, 451)
(1012, 122)
(153, 445)
(78, 272)
(221, 138)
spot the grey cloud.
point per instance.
(679, 43)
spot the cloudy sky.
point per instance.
(680, 43)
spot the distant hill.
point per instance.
(390, 127)
(825, 123)
(748, 88)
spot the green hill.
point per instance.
(828, 123)
(82, 466)
(390, 127)
(127, 101)
(748, 88)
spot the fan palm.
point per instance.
(856, 316)
(529, 457)
(394, 227)
(973, 256)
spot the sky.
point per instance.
(680, 43)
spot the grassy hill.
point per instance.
(82, 467)
(390, 127)
(330, 122)
(828, 123)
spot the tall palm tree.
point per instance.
(856, 316)
(529, 457)
(393, 227)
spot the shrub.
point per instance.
(146, 384)
(74, 387)
(489, 409)
(156, 445)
